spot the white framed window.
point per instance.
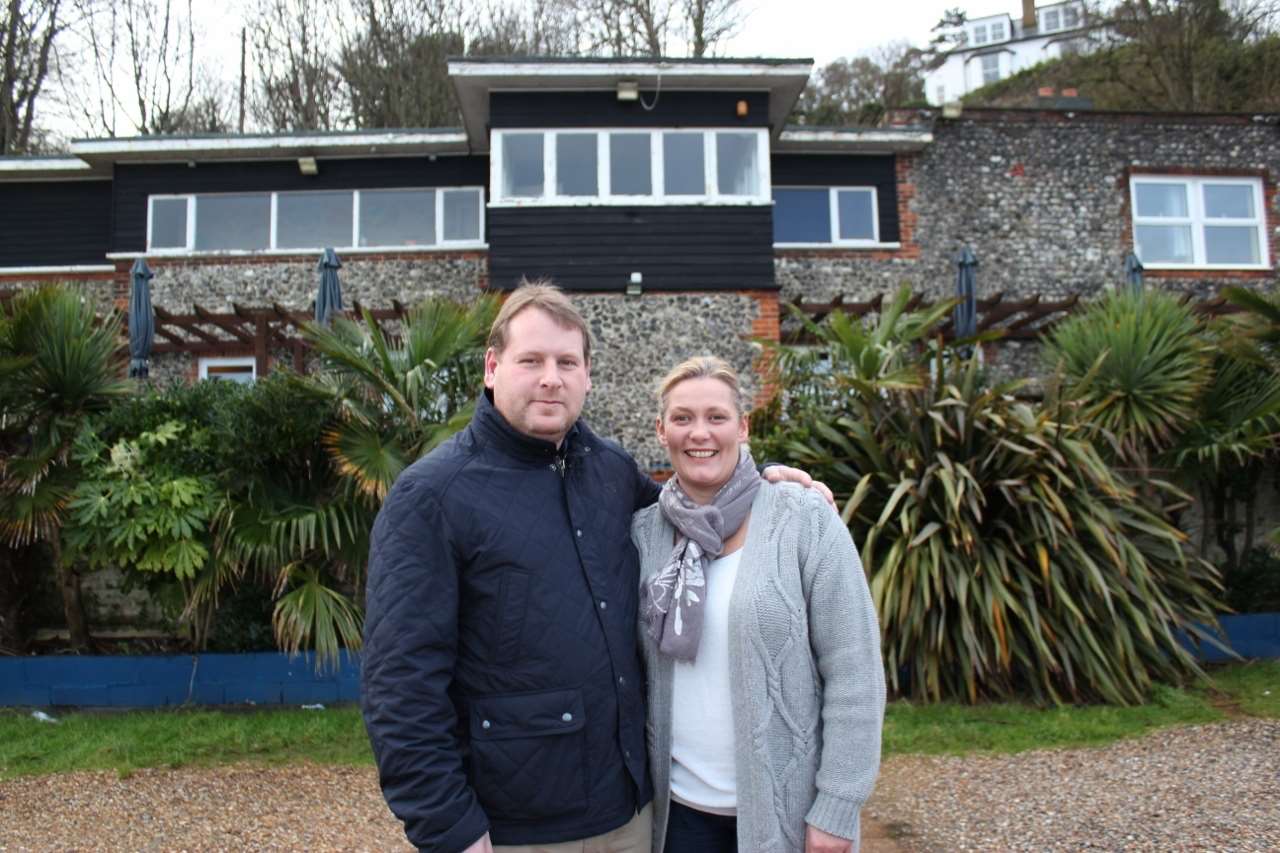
(990, 68)
(242, 369)
(980, 34)
(312, 220)
(1070, 17)
(997, 31)
(826, 216)
(607, 166)
(1182, 222)
(1050, 20)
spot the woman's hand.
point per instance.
(483, 845)
(817, 841)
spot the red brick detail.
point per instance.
(1270, 204)
(767, 325)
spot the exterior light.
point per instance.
(634, 284)
(628, 90)
(307, 166)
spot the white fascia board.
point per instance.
(626, 70)
(46, 168)
(875, 141)
(262, 147)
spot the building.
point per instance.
(992, 48)
(670, 196)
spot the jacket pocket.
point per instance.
(513, 603)
(528, 754)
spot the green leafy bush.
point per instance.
(1006, 557)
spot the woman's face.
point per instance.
(702, 429)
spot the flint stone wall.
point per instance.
(1043, 199)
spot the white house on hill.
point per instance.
(991, 48)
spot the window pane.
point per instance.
(313, 220)
(1228, 201)
(1051, 20)
(990, 68)
(997, 31)
(522, 172)
(169, 223)
(857, 215)
(1070, 17)
(576, 169)
(683, 162)
(233, 221)
(1164, 243)
(629, 164)
(802, 215)
(462, 214)
(980, 34)
(1230, 245)
(397, 217)
(736, 163)
(1161, 199)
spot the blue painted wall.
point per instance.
(267, 678)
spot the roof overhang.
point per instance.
(474, 79)
(48, 169)
(170, 149)
(870, 140)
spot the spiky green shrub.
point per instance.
(1006, 557)
(1138, 364)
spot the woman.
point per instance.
(766, 688)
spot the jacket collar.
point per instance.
(494, 429)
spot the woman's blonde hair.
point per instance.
(701, 367)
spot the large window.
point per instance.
(990, 68)
(825, 216)
(568, 167)
(1199, 222)
(314, 220)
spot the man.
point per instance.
(501, 678)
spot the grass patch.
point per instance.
(127, 741)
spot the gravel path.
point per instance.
(1200, 788)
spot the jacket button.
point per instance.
(579, 532)
(486, 724)
(604, 605)
(567, 717)
(622, 682)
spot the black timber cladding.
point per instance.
(597, 248)
(603, 109)
(135, 182)
(54, 223)
(845, 170)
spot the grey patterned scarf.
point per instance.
(673, 600)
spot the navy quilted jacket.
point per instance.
(502, 687)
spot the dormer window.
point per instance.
(997, 31)
(599, 167)
(1070, 17)
(980, 34)
(1050, 20)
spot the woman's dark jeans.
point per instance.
(692, 831)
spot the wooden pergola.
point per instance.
(248, 329)
(1019, 319)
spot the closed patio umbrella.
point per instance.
(142, 320)
(966, 312)
(329, 296)
(1133, 273)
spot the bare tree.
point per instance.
(145, 73)
(709, 22)
(860, 89)
(539, 28)
(297, 87)
(30, 29)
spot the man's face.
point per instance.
(540, 379)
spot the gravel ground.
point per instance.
(1200, 788)
(1214, 787)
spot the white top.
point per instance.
(702, 747)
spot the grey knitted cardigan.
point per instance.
(808, 681)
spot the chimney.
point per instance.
(1028, 15)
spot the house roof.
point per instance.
(282, 146)
(474, 79)
(801, 139)
(47, 168)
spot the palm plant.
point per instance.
(393, 399)
(1006, 557)
(1138, 364)
(62, 365)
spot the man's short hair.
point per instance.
(544, 295)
